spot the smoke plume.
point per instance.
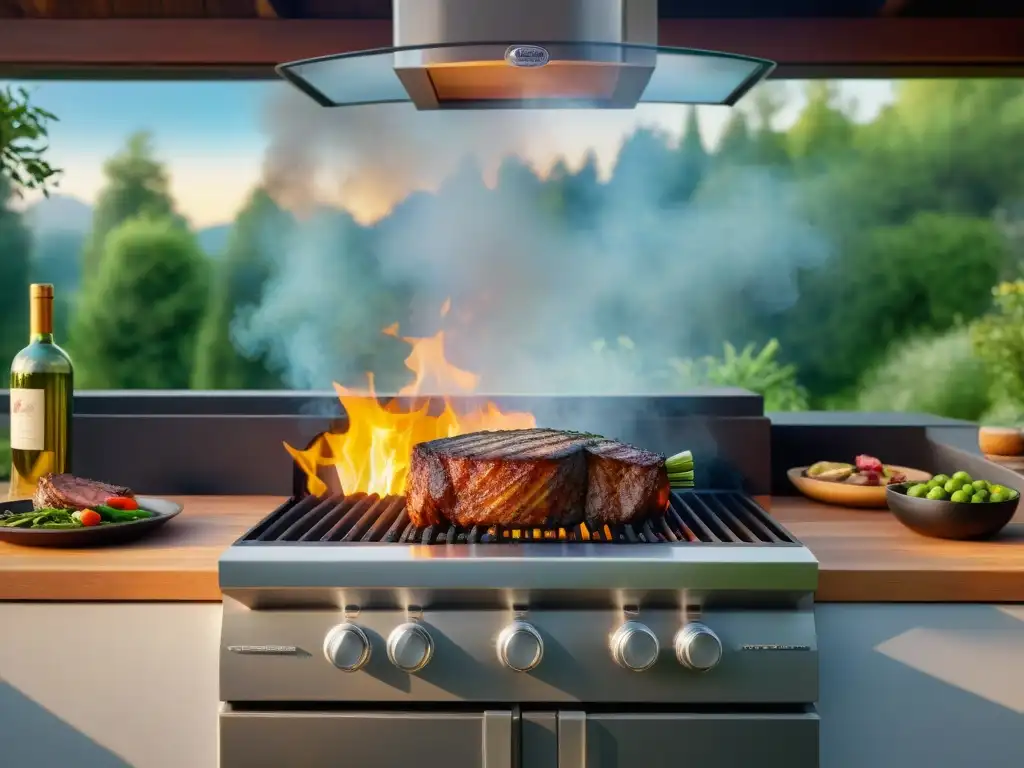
(539, 305)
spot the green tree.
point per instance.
(692, 161)
(889, 285)
(136, 325)
(256, 244)
(15, 267)
(137, 186)
(823, 133)
(23, 143)
(735, 147)
(767, 102)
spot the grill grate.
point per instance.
(698, 517)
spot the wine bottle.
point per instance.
(41, 401)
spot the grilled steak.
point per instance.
(533, 477)
(70, 492)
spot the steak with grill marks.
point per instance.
(533, 477)
(70, 492)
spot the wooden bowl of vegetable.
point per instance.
(953, 506)
(22, 524)
(861, 484)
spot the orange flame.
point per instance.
(373, 455)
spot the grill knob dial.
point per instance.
(520, 647)
(347, 647)
(698, 647)
(634, 646)
(410, 647)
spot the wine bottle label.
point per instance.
(28, 419)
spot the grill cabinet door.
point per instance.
(372, 739)
(678, 740)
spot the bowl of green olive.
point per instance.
(953, 506)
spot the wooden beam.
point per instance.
(36, 9)
(801, 47)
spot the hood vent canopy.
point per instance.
(529, 54)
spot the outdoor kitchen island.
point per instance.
(919, 642)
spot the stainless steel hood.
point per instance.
(526, 54)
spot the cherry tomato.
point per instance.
(90, 517)
(122, 502)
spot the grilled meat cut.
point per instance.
(70, 492)
(533, 477)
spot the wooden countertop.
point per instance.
(865, 556)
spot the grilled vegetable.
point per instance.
(680, 470)
(122, 502)
(112, 515)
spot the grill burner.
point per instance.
(694, 517)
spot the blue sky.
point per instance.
(213, 135)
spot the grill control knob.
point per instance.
(410, 647)
(634, 646)
(698, 647)
(347, 647)
(520, 647)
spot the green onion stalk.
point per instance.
(680, 470)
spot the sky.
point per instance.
(213, 136)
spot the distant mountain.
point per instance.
(59, 213)
(64, 213)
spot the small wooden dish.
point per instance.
(1001, 441)
(847, 495)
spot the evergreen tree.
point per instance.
(692, 160)
(137, 185)
(256, 246)
(735, 147)
(136, 324)
(15, 265)
(769, 144)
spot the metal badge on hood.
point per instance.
(527, 56)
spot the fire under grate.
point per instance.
(693, 517)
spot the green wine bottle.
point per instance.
(41, 401)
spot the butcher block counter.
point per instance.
(865, 556)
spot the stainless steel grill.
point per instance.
(351, 632)
(693, 517)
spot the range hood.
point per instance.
(526, 54)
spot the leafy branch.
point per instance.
(24, 141)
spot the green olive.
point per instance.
(963, 477)
(937, 494)
(960, 497)
(918, 491)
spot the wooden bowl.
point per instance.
(950, 519)
(846, 495)
(1000, 441)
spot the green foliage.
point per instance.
(23, 143)
(823, 132)
(5, 457)
(939, 375)
(999, 340)
(257, 240)
(15, 266)
(891, 284)
(136, 325)
(756, 371)
(137, 186)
